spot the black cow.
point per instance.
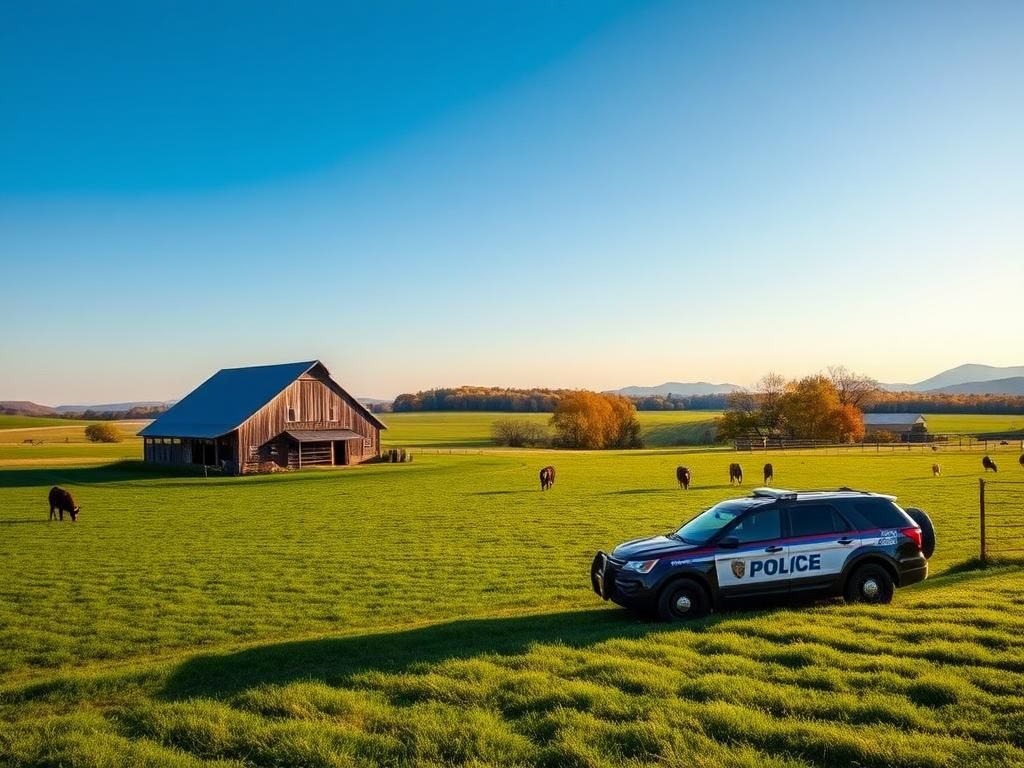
(1022, 460)
(769, 473)
(683, 476)
(988, 464)
(547, 477)
(61, 502)
(735, 474)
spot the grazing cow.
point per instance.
(735, 474)
(683, 476)
(1021, 460)
(988, 464)
(61, 502)
(769, 473)
(935, 470)
(547, 477)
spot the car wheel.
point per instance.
(869, 583)
(683, 599)
(924, 522)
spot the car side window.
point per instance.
(815, 520)
(759, 525)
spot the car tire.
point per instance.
(682, 600)
(924, 522)
(870, 583)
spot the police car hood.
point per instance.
(651, 546)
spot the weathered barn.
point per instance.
(294, 415)
(898, 423)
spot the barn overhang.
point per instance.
(321, 435)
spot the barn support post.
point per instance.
(981, 508)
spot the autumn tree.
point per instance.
(591, 420)
(853, 388)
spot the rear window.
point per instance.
(815, 519)
(881, 513)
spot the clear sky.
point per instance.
(588, 193)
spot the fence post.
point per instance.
(981, 506)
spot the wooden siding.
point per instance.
(312, 396)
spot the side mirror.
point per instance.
(729, 542)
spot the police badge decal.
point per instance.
(739, 567)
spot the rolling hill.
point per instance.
(969, 373)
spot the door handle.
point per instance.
(844, 542)
(773, 549)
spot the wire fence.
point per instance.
(1000, 507)
(945, 444)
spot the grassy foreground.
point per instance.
(439, 613)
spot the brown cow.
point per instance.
(735, 473)
(61, 502)
(683, 476)
(988, 464)
(769, 473)
(935, 470)
(547, 477)
(1022, 459)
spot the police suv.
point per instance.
(771, 544)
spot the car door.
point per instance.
(753, 562)
(819, 540)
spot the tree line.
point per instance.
(537, 400)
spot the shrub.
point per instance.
(102, 433)
(518, 433)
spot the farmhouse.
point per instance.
(293, 415)
(902, 424)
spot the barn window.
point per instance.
(367, 442)
(291, 413)
(331, 415)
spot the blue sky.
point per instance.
(561, 194)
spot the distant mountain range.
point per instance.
(679, 388)
(114, 406)
(970, 378)
(1014, 385)
(28, 408)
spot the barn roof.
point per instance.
(320, 435)
(892, 419)
(227, 399)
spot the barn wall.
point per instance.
(312, 396)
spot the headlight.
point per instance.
(640, 566)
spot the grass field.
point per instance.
(473, 429)
(439, 613)
(22, 422)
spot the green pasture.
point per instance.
(439, 613)
(22, 422)
(972, 423)
(471, 430)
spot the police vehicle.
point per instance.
(771, 544)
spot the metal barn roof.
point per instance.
(891, 419)
(225, 400)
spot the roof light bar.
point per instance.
(774, 493)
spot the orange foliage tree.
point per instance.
(592, 420)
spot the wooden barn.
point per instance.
(244, 419)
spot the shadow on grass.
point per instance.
(503, 493)
(335, 660)
(116, 472)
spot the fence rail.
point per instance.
(1000, 508)
(950, 444)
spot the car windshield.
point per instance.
(711, 521)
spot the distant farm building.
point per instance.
(244, 419)
(903, 424)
